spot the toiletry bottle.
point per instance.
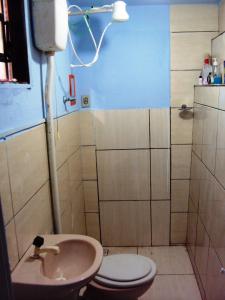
(215, 71)
(224, 71)
(200, 80)
(209, 78)
(207, 68)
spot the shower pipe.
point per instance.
(51, 143)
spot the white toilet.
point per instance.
(122, 277)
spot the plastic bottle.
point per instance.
(207, 68)
(209, 78)
(200, 80)
(216, 72)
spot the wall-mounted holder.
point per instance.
(186, 112)
(184, 107)
(71, 101)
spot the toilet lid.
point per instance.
(125, 267)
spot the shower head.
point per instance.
(119, 12)
(118, 9)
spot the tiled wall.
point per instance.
(126, 175)
(24, 184)
(67, 136)
(192, 28)
(206, 218)
(222, 16)
(25, 191)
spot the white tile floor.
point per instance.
(175, 278)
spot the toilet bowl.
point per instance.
(122, 277)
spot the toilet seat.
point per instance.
(125, 271)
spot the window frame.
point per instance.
(17, 58)
(5, 32)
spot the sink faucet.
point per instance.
(38, 242)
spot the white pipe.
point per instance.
(94, 10)
(51, 143)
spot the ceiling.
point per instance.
(142, 2)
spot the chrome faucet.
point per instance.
(38, 242)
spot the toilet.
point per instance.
(122, 277)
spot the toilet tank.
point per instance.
(50, 24)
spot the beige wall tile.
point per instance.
(93, 227)
(192, 229)
(28, 164)
(202, 252)
(122, 129)
(160, 174)
(181, 160)
(192, 47)
(222, 16)
(160, 128)
(209, 138)
(215, 288)
(90, 196)
(215, 206)
(182, 287)
(169, 260)
(12, 244)
(64, 186)
(197, 133)
(197, 17)
(88, 159)
(182, 87)
(220, 149)
(125, 223)
(181, 126)
(218, 44)
(160, 223)
(207, 186)
(178, 228)
(67, 135)
(75, 168)
(60, 144)
(78, 215)
(179, 195)
(87, 130)
(221, 104)
(35, 218)
(207, 95)
(4, 185)
(196, 178)
(67, 224)
(124, 174)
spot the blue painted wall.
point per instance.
(21, 106)
(133, 69)
(134, 63)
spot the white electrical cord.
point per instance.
(94, 60)
(86, 22)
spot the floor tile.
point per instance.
(169, 260)
(173, 287)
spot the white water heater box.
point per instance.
(50, 24)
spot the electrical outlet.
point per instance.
(85, 101)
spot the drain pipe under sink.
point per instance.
(51, 142)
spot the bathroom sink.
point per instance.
(58, 276)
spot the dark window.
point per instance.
(13, 44)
